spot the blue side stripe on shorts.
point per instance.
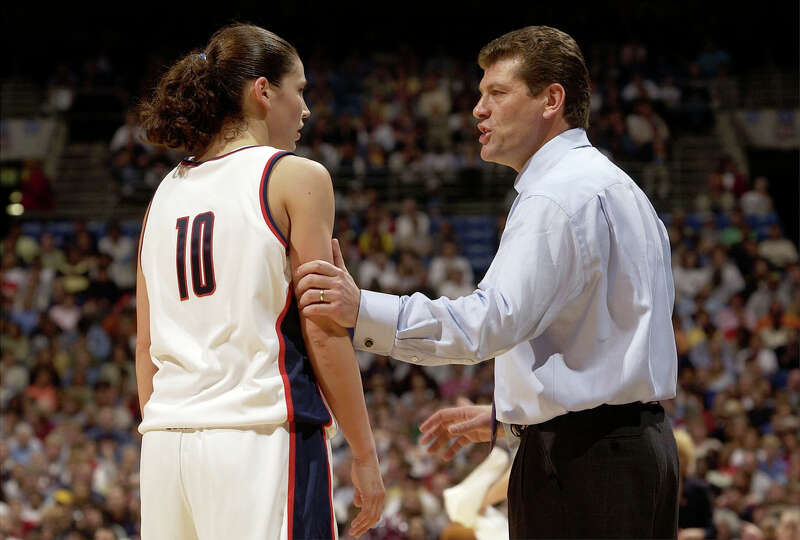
(312, 490)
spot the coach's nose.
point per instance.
(481, 112)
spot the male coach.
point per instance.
(576, 307)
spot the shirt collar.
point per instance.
(548, 155)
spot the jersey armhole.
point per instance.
(264, 200)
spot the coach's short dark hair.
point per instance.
(546, 56)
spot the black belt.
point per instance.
(601, 411)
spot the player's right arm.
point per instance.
(301, 201)
(145, 368)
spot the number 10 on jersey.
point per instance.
(202, 255)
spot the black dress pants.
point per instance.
(608, 472)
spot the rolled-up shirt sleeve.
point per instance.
(538, 269)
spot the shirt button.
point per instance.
(368, 343)
(414, 359)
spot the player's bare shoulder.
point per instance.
(299, 172)
(296, 178)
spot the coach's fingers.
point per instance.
(312, 296)
(429, 435)
(314, 281)
(315, 267)
(461, 428)
(459, 443)
(439, 438)
(320, 310)
(433, 421)
(338, 260)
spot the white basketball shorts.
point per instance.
(259, 483)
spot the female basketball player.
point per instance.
(234, 385)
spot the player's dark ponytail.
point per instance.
(202, 91)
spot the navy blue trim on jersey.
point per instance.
(189, 162)
(312, 510)
(265, 201)
(307, 404)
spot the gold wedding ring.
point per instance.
(322, 295)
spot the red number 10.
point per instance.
(202, 255)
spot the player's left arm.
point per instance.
(304, 189)
(145, 368)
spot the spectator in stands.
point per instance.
(726, 280)
(65, 312)
(376, 236)
(378, 269)
(645, 127)
(690, 276)
(455, 284)
(122, 249)
(22, 245)
(789, 289)
(757, 201)
(74, 273)
(778, 250)
(128, 155)
(128, 135)
(763, 290)
(411, 274)
(43, 388)
(775, 326)
(733, 317)
(412, 229)
(712, 58)
(52, 257)
(449, 262)
(23, 445)
(736, 231)
(640, 88)
(37, 194)
(13, 275)
(60, 90)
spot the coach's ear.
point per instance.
(554, 96)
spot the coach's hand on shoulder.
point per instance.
(461, 425)
(368, 493)
(328, 290)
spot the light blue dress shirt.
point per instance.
(576, 306)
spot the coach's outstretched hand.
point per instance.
(328, 290)
(368, 494)
(461, 425)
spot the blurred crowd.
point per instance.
(393, 117)
(69, 452)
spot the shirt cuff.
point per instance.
(376, 325)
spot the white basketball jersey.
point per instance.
(224, 327)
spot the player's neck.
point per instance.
(225, 144)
